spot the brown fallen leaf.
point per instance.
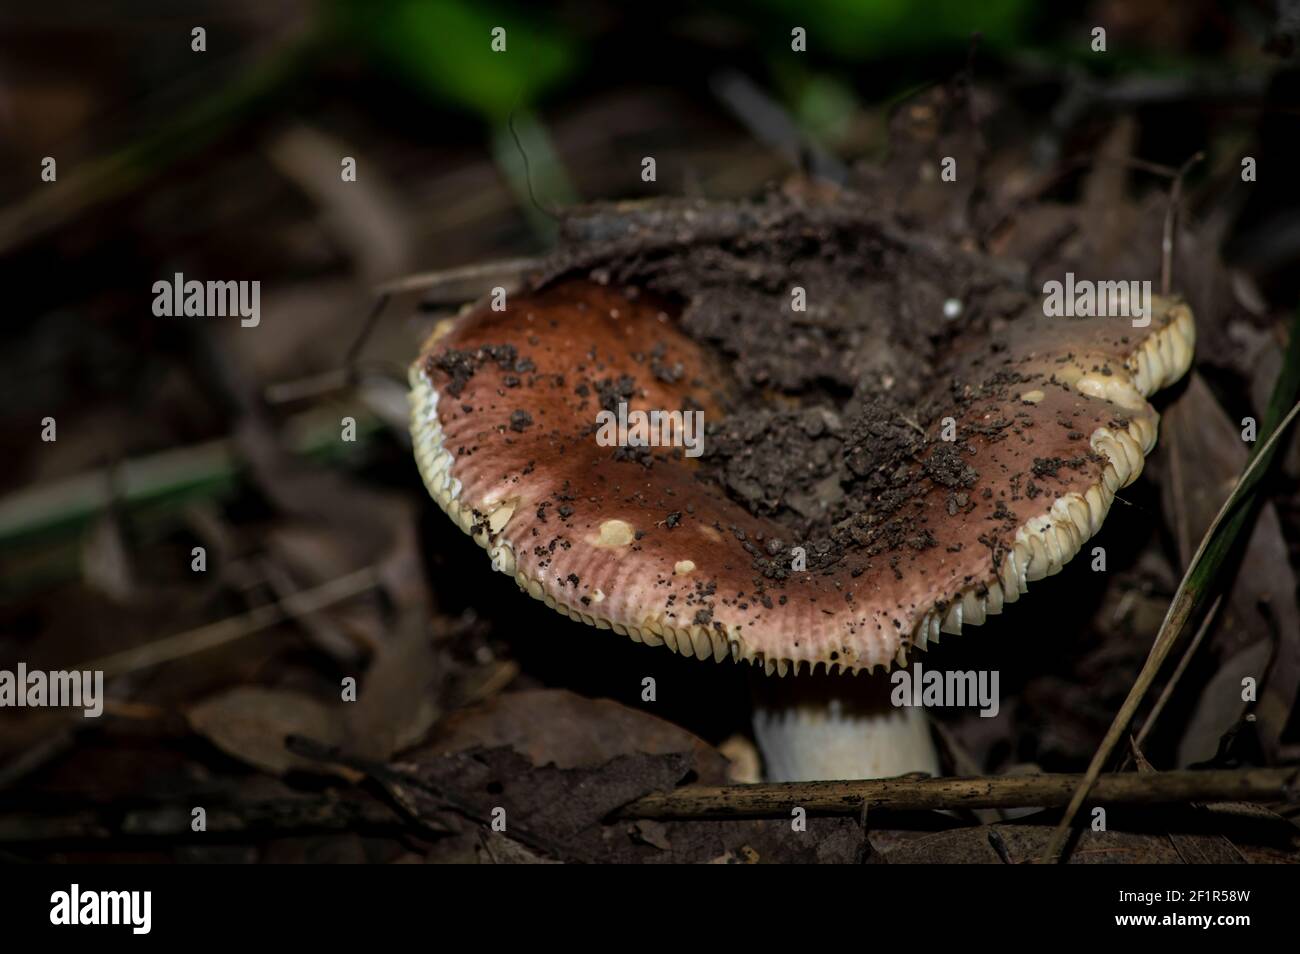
(560, 727)
(497, 849)
(1220, 705)
(652, 833)
(251, 723)
(397, 702)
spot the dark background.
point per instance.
(177, 433)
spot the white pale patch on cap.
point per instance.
(614, 533)
(709, 532)
(1032, 397)
(682, 567)
(499, 517)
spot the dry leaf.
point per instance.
(561, 727)
(252, 723)
(396, 704)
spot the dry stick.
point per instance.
(1167, 692)
(335, 379)
(235, 627)
(310, 386)
(1175, 618)
(458, 285)
(1007, 791)
(372, 320)
(1171, 219)
(1067, 166)
(320, 630)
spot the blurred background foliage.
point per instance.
(440, 48)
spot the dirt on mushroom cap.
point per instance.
(831, 399)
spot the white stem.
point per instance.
(810, 728)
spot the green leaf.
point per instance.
(444, 49)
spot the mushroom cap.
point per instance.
(1051, 420)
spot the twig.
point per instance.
(1005, 791)
(524, 135)
(1171, 219)
(1049, 180)
(323, 633)
(1167, 692)
(309, 386)
(528, 174)
(335, 379)
(235, 627)
(454, 286)
(354, 350)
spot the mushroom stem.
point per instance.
(819, 727)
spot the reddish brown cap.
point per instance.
(1050, 418)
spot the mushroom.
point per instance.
(1051, 419)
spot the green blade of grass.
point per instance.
(171, 478)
